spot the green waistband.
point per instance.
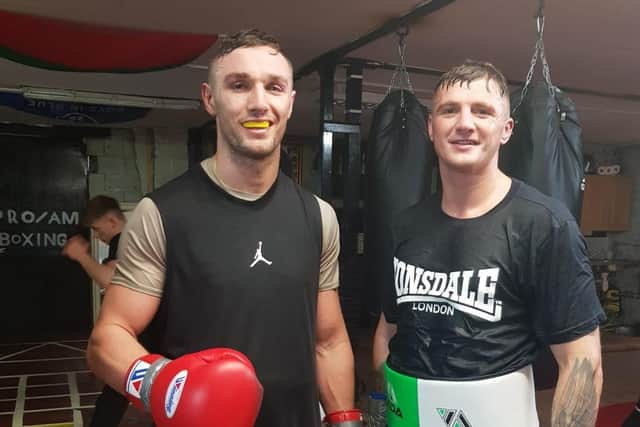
(402, 399)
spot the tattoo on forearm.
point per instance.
(576, 405)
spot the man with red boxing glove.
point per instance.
(212, 387)
(233, 268)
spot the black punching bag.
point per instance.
(399, 163)
(545, 150)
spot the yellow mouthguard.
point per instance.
(256, 124)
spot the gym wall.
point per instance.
(626, 245)
(130, 163)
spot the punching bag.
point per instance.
(545, 150)
(400, 162)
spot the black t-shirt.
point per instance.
(244, 275)
(113, 249)
(472, 298)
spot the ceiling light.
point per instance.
(86, 97)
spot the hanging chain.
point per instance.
(402, 51)
(400, 78)
(532, 67)
(545, 65)
(538, 51)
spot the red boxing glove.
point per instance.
(351, 418)
(217, 387)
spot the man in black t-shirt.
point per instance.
(104, 216)
(482, 274)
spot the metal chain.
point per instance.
(532, 67)
(400, 78)
(545, 65)
(538, 51)
(402, 51)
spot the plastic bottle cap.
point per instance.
(376, 395)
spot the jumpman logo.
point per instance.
(258, 257)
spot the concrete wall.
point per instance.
(130, 163)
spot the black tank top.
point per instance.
(244, 274)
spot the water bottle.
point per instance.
(376, 410)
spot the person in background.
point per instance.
(104, 216)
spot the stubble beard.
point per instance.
(251, 150)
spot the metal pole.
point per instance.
(351, 214)
(327, 76)
(334, 55)
(352, 164)
(425, 71)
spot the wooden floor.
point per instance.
(48, 383)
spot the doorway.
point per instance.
(43, 189)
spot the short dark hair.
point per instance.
(227, 43)
(98, 207)
(470, 71)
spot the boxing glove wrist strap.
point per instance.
(350, 418)
(145, 387)
(139, 378)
